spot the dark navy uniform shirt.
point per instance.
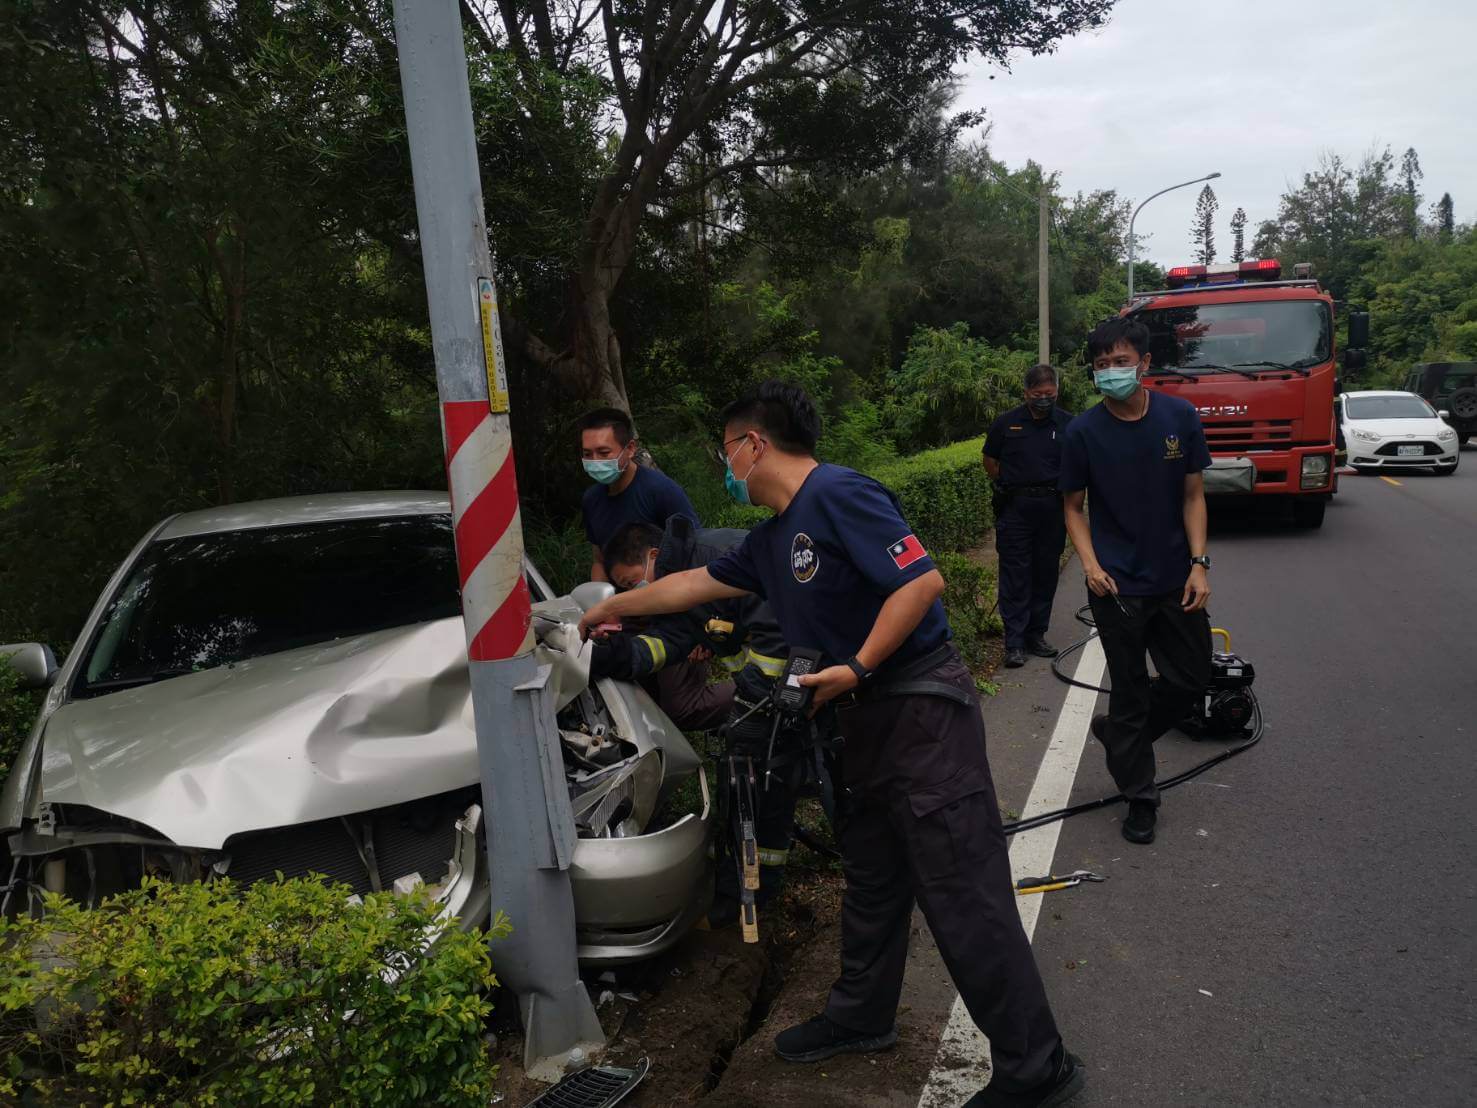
(829, 561)
(651, 497)
(1134, 473)
(1029, 450)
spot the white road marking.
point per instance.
(962, 1065)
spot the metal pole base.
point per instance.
(548, 1021)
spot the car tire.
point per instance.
(1463, 403)
(1462, 437)
(1364, 471)
(1307, 512)
(1445, 471)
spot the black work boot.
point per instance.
(1038, 646)
(819, 1038)
(1099, 728)
(1068, 1082)
(1015, 657)
(1139, 826)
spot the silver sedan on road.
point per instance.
(281, 686)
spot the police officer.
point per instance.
(1023, 453)
(847, 576)
(743, 635)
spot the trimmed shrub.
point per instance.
(285, 994)
(945, 494)
(969, 599)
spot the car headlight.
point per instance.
(1446, 434)
(1365, 436)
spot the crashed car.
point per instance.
(281, 687)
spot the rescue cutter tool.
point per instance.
(1054, 881)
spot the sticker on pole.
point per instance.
(492, 347)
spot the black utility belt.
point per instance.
(913, 678)
(1032, 490)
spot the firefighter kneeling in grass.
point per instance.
(742, 634)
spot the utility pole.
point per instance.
(529, 826)
(1043, 284)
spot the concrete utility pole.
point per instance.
(1043, 284)
(530, 829)
(1161, 192)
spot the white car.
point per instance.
(1395, 430)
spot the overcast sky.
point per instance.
(1174, 89)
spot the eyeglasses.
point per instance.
(720, 452)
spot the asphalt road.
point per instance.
(1304, 929)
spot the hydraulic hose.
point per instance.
(1044, 818)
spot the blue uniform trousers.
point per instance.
(1030, 535)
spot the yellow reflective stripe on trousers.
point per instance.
(734, 662)
(767, 665)
(657, 648)
(769, 857)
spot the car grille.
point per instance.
(1391, 449)
(417, 837)
(1248, 435)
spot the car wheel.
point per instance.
(1307, 512)
(1463, 404)
(1445, 471)
(1462, 437)
(1364, 471)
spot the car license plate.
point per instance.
(1415, 450)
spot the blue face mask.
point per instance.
(1119, 384)
(605, 470)
(737, 487)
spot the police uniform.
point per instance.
(1030, 532)
(745, 639)
(920, 817)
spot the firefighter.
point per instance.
(1023, 453)
(847, 577)
(743, 636)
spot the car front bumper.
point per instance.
(1363, 455)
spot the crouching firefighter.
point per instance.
(768, 753)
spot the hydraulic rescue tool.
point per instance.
(1054, 881)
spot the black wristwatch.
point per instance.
(863, 674)
(1200, 560)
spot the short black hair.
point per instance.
(617, 420)
(784, 413)
(1042, 374)
(630, 544)
(1110, 332)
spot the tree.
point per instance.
(1202, 231)
(1410, 173)
(1445, 217)
(1238, 235)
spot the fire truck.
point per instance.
(1255, 354)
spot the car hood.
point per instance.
(307, 734)
(1423, 428)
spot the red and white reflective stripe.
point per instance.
(489, 547)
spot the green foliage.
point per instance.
(1422, 299)
(18, 709)
(197, 994)
(969, 599)
(945, 495)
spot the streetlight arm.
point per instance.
(1134, 217)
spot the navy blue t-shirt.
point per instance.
(1029, 450)
(1134, 473)
(651, 497)
(829, 561)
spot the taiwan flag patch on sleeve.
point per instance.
(906, 551)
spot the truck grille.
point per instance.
(1247, 435)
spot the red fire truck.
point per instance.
(1255, 355)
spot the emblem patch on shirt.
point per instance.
(804, 560)
(1172, 450)
(906, 551)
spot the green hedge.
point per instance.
(201, 994)
(945, 494)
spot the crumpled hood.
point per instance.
(307, 734)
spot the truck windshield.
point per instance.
(203, 601)
(1389, 407)
(1277, 334)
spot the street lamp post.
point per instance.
(1161, 192)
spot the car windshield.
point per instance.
(1389, 407)
(1208, 337)
(202, 601)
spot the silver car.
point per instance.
(281, 687)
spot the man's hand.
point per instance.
(1101, 583)
(1197, 590)
(600, 613)
(830, 683)
(700, 654)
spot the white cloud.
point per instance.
(1173, 89)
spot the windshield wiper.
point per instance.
(1186, 374)
(1295, 367)
(134, 682)
(1229, 369)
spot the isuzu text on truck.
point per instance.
(1255, 355)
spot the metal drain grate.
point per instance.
(596, 1087)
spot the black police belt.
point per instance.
(912, 679)
(1031, 490)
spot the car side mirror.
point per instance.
(35, 663)
(589, 594)
(1443, 414)
(1358, 330)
